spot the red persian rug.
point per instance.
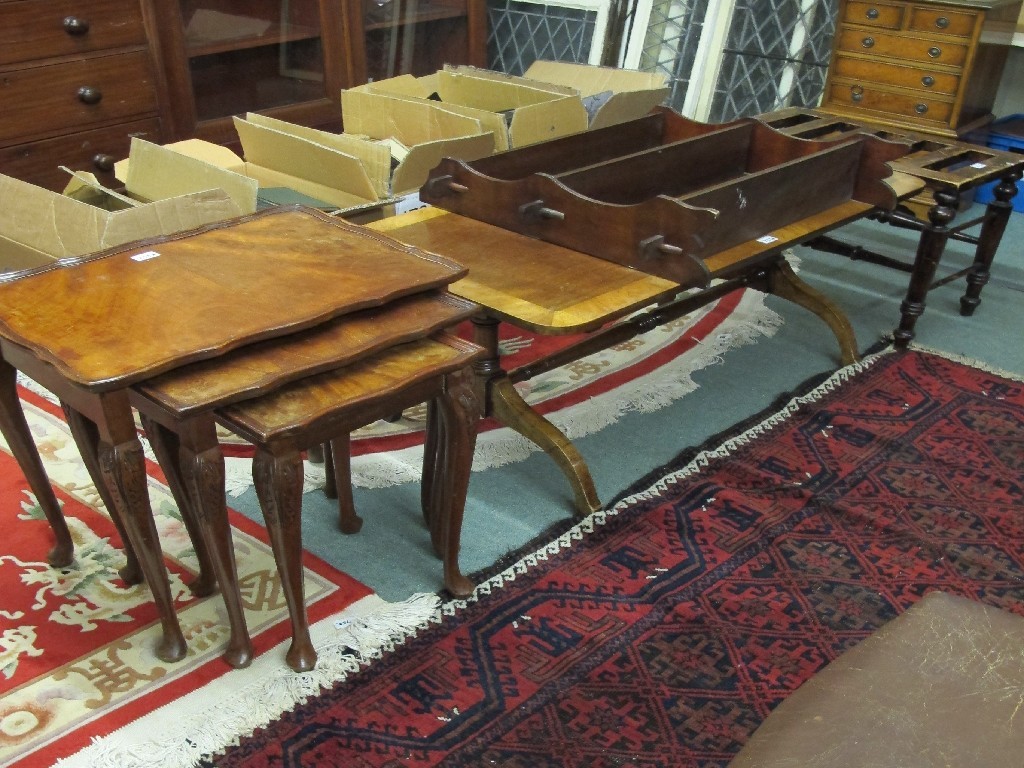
(77, 644)
(662, 631)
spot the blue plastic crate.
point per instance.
(1006, 134)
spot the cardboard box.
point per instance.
(610, 95)
(517, 111)
(38, 226)
(416, 133)
(282, 163)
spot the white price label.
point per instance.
(767, 239)
(145, 256)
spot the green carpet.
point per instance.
(511, 505)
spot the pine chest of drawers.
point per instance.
(927, 66)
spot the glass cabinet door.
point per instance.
(252, 55)
(417, 36)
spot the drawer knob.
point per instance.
(103, 162)
(872, 13)
(856, 93)
(935, 52)
(942, 22)
(89, 95)
(868, 42)
(927, 81)
(921, 109)
(75, 26)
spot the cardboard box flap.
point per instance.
(419, 160)
(374, 155)
(170, 215)
(309, 164)
(48, 221)
(628, 105)
(411, 121)
(494, 91)
(155, 172)
(611, 95)
(15, 256)
(86, 188)
(589, 79)
(329, 195)
(403, 85)
(548, 120)
(490, 122)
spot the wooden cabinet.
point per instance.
(928, 66)
(76, 81)
(79, 78)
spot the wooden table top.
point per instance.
(113, 319)
(554, 290)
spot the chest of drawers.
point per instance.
(927, 66)
(77, 82)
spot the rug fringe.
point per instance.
(233, 706)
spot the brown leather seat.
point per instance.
(941, 686)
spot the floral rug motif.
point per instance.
(77, 644)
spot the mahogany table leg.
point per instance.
(503, 402)
(123, 465)
(202, 464)
(929, 252)
(459, 409)
(278, 482)
(19, 438)
(997, 214)
(784, 283)
(508, 407)
(339, 469)
(167, 447)
(86, 437)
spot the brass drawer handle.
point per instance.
(921, 109)
(872, 13)
(89, 95)
(103, 162)
(856, 92)
(942, 22)
(935, 52)
(868, 42)
(75, 26)
(927, 81)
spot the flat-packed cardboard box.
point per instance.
(610, 95)
(39, 226)
(282, 163)
(516, 110)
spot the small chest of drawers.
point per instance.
(929, 66)
(76, 81)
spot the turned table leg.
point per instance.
(997, 214)
(929, 252)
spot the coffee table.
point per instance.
(89, 329)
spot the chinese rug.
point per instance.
(76, 644)
(661, 631)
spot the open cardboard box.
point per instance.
(554, 99)
(283, 163)
(515, 110)
(39, 226)
(408, 139)
(610, 95)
